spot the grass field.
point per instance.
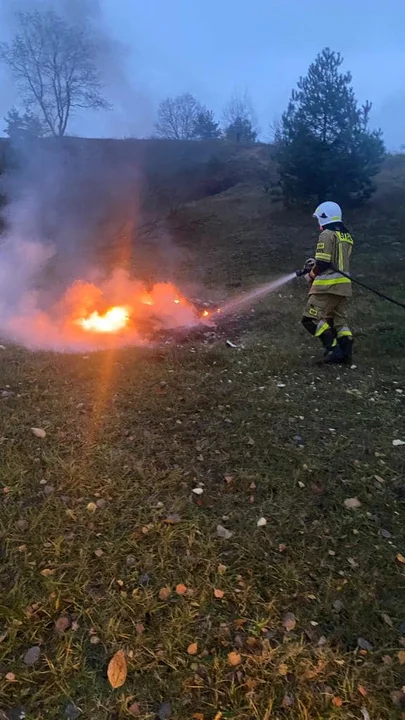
(105, 546)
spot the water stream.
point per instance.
(247, 298)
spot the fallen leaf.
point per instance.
(387, 659)
(140, 629)
(364, 644)
(135, 709)
(400, 558)
(261, 522)
(219, 594)
(38, 432)
(218, 716)
(172, 519)
(46, 572)
(181, 589)
(282, 548)
(365, 713)
(100, 503)
(362, 690)
(397, 697)
(72, 712)
(289, 621)
(22, 525)
(221, 569)
(352, 503)
(387, 620)
(337, 701)
(283, 669)
(95, 640)
(62, 624)
(32, 655)
(10, 677)
(288, 701)
(165, 711)
(401, 657)
(223, 532)
(198, 716)
(228, 479)
(197, 491)
(192, 649)
(91, 507)
(164, 593)
(234, 659)
(99, 553)
(397, 443)
(117, 669)
(251, 442)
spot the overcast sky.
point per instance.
(212, 47)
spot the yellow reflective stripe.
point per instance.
(323, 256)
(333, 281)
(320, 330)
(340, 256)
(320, 246)
(334, 343)
(345, 333)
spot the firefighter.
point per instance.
(325, 313)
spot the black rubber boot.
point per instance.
(327, 339)
(342, 353)
(346, 346)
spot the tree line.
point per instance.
(323, 144)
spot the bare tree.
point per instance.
(178, 117)
(239, 110)
(54, 64)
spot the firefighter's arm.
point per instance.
(323, 255)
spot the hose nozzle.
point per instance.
(309, 264)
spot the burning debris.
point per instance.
(118, 311)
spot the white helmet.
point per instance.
(327, 213)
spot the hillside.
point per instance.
(229, 520)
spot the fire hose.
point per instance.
(309, 264)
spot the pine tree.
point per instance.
(324, 147)
(205, 127)
(241, 130)
(25, 126)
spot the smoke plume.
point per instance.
(71, 244)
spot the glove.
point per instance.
(310, 267)
(309, 263)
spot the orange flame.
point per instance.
(115, 319)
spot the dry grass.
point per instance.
(129, 435)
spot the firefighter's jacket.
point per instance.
(333, 248)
